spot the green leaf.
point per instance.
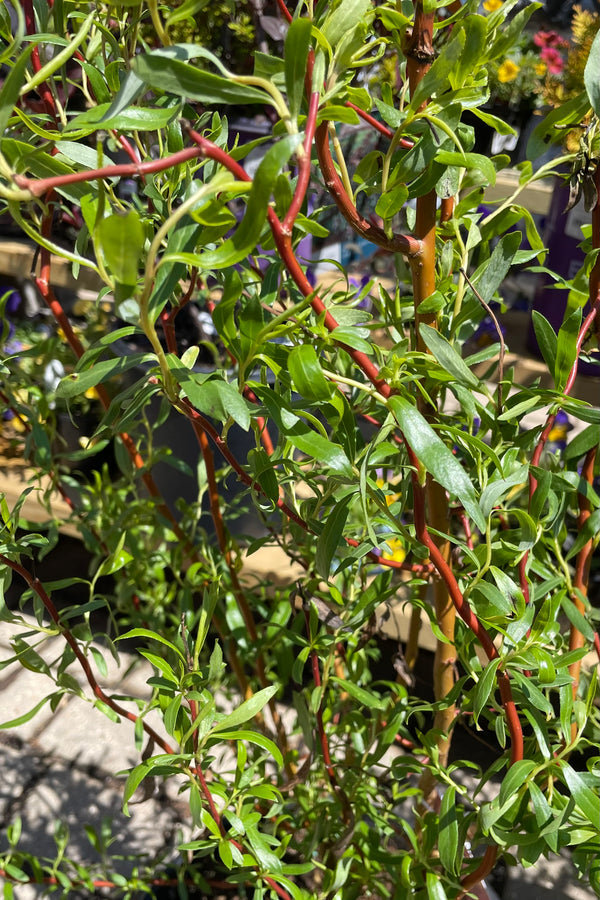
(307, 374)
(490, 274)
(323, 450)
(566, 348)
(448, 831)
(134, 118)
(392, 201)
(495, 490)
(131, 89)
(212, 395)
(171, 714)
(79, 382)
(584, 411)
(490, 601)
(297, 42)
(494, 122)
(546, 338)
(590, 75)
(162, 665)
(447, 356)
(484, 688)
(469, 161)
(11, 87)
(552, 126)
(137, 775)
(516, 776)
(187, 10)
(28, 657)
(26, 717)
(531, 692)
(435, 888)
(436, 456)
(329, 539)
(121, 241)
(334, 113)
(576, 618)
(99, 660)
(346, 16)
(351, 336)
(184, 80)
(248, 709)
(585, 798)
(245, 237)
(254, 737)
(582, 442)
(364, 697)
(590, 530)
(152, 636)
(107, 711)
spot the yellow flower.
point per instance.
(492, 5)
(398, 549)
(540, 69)
(508, 71)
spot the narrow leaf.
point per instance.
(546, 338)
(566, 348)
(447, 356)
(297, 43)
(248, 709)
(516, 776)
(436, 456)
(484, 687)
(307, 374)
(584, 796)
(26, 717)
(79, 382)
(11, 87)
(153, 636)
(121, 240)
(448, 831)
(329, 539)
(184, 80)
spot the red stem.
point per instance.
(405, 143)
(42, 185)
(36, 585)
(304, 166)
(284, 10)
(582, 566)
(43, 88)
(398, 243)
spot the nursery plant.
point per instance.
(385, 450)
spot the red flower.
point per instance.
(549, 39)
(553, 59)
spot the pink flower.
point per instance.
(549, 39)
(553, 59)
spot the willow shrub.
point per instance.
(388, 462)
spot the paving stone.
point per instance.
(553, 879)
(18, 767)
(79, 799)
(49, 648)
(83, 734)
(20, 691)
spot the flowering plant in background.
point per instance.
(543, 68)
(533, 66)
